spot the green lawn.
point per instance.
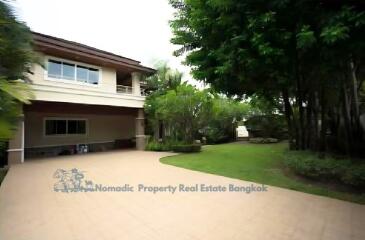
(260, 163)
(2, 174)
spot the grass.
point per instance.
(260, 163)
(2, 174)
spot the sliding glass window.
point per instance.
(73, 72)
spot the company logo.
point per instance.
(71, 181)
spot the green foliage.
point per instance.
(164, 79)
(264, 105)
(187, 148)
(191, 113)
(16, 59)
(165, 145)
(267, 126)
(17, 90)
(15, 48)
(309, 165)
(10, 110)
(263, 140)
(305, 37)
(157, 146)
(186, 109)
(354, 175)
(304, 55)
(333, 34)
(222, 123)
(214, 134)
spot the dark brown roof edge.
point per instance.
(53, 40)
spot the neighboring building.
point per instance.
(85, 100)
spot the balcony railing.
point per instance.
(128, 90)
(124, 89)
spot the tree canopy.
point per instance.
(306, 55)
(185, 113)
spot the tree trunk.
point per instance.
(309, 126)
(355, 95)
(289, 117)
(347, 117)
(315, 122)
(357, 130)
(323, 145)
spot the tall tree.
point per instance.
(183, 110)
(306, 54)
(163, 80)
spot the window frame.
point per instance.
(67, 134)
(70, 81)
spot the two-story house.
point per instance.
(85, 100)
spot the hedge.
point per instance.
(186, 148)
(263, 140)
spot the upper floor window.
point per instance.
(73, 72)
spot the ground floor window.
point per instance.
(65, 127)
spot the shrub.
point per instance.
(165, 145)
(187, 148)
(308, 164)
(330, 169)
(355, 176)
(157, 146)
(216, 135)
(263, 140)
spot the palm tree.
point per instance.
(16, 56)
(164, 79)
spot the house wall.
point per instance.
(73, 92)
(100, 128)
(107, 83)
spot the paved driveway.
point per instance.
(31, 209)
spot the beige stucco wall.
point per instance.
(107, 81)
(100, 129)
(104, 93)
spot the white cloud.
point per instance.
(137, 29)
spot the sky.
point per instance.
(136, 29)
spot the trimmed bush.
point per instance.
(161, 146)
(309, 165)
(186, 148)
(157, 146)
(263, 140)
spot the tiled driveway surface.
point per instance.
(30, 209)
